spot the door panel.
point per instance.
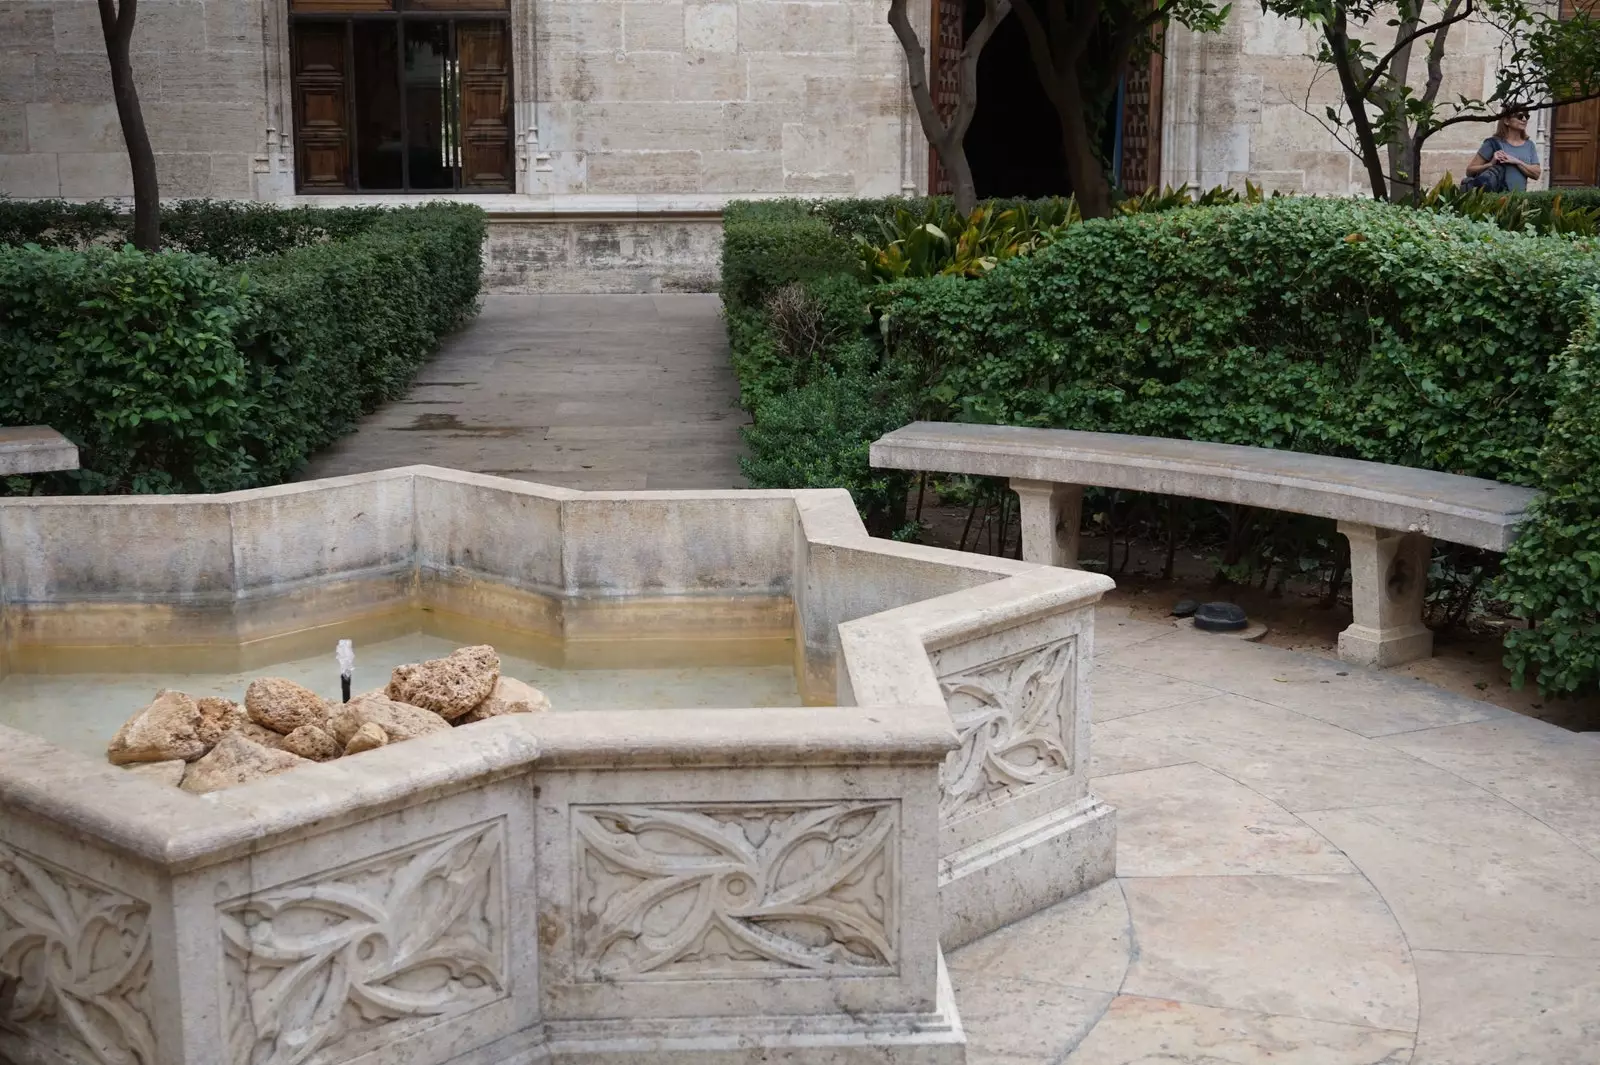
(483, 50)
(321, 105)
(1575, 129)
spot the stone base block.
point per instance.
(921, 1039)
(1364, 646)
(1034, 865)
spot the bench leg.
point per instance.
(1388, 579)
(1051, 514)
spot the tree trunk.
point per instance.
(1366, 140)
(117, 26)
(1089, 182)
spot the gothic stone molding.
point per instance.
(407, 936)
(76, 955)
(736, 890)
(1013, 716)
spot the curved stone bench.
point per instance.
(1388, 513)
(35, 449)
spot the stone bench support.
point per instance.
(1388, 582)
(1051, 515)
(35, 449)
(1371, 501)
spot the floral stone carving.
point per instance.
(1014, 718)
(409, 935)
(736, 890)
(74, 963)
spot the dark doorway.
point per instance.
(1014, 144)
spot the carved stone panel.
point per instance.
(74, 963)
(1014, 717)
(736, 890)
(386, 943)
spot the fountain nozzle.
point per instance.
(346, 654)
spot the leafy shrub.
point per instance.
(1336, 327)
(173, 372)
(1573, 212)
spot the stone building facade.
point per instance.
(604, 136)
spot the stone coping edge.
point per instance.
(177, 830)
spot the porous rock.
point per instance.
(258, 734)
(309, 741)
(168, 773)
(166, 730)
(283, 706)
(451, 686)
(510, 696)
(236, 760)
(399, 721)
(218, 716)
(368, 737)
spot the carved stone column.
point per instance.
(1388, 580)
(1051, 514)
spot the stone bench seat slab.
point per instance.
(1445, 506)
(35, 449)
(1389, 514)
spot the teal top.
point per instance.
(1516, 180)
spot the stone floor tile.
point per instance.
(1496, 1009)
(1366, 702)
(1188, 820)
(1115, 630)
(1120, 691)
(1083, 942)
(1024, 1019)
(1539, 768)
(1475, 875)
(1296, 761)
(1319, 947)
(1146, 1031)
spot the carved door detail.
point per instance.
(1141, 127)
(945, 78)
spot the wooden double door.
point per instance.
(1575, 129)
(402, 95)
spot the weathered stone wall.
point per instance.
(722, 97)
(641, 254)
(199, 70)
(1242, 104)
(753, 96)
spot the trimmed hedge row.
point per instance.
(227, 230)
(1339, 327)
(175, 372)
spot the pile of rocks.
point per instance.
(205, 744)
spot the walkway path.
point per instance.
(598, 392)
(1317, 865)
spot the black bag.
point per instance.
(1490, 179)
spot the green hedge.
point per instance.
(176, 372)
(1340, 327)
(229, 231)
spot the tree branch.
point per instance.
(1406, 40)
(994, 13)
(1513, 108)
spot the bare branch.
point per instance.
(1512, 108)
(1405, 40)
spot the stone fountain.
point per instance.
(709, 886)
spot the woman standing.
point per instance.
(1511, 152)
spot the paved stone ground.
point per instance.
(1317, 865)
(597, 392)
